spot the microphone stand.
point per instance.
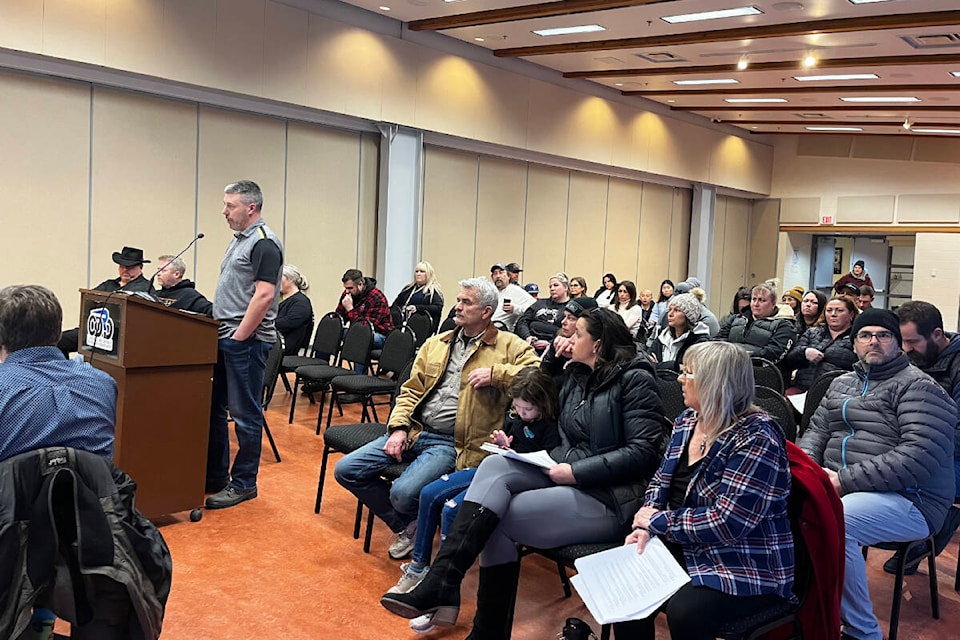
(165, 265)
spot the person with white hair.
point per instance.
(295, 315)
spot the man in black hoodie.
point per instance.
(177, 291)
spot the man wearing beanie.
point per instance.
(857, 277)
(884, 433)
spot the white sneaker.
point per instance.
(423, 624)
(402, 543)
(410, 578)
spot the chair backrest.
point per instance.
(779, 408)
(304, 346)
(271, 373)
(671, 394)
(814, 395)
(328, 335)
(422, 326)
(357, 345)
(398, 350)
(766, 374)
(447, 325)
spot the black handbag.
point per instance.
(576, 629)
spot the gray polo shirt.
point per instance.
(439, 411)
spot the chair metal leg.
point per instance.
(323, 399)
(897, 595)
(369, 534)
(333, 396)
(357, 521)
(564, 580)
(293, 401)
(605, 631)
(932, 570)
(273, 445)
(323, 475)
(373, 408)
(956, 580)
(285, 381)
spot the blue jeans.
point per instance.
(871, 518)
(431, 456)
(439, 502)
(237, 386)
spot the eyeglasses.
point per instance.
(883, 337)
(686, 374)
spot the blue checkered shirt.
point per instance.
(47, 400)
(733, 525)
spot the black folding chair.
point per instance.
(766, 374)
(671, 394)
(779, 408)
(270, 374)
(422, 326)
(815, 395)
(326, 345)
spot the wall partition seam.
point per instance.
(90, 193)
(376, 231)
(526, 211)
(606, 222)
(566, 221)
(286, 171)
(476, 218)
(196, 191)
(640, 247)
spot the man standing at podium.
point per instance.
(246, 304)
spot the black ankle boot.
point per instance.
(439, 593)
(576, 629)
(496, 598)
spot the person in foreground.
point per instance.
(719, 500)
(884, 433)
(612, 437)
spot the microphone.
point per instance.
(164, 266)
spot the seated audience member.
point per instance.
(719, 501)
(763, 335)
(936, 353)
(456, 396)
(513, 299)
(361, 301)
(578, 287)
(533, 289)
(129, 261)
(513, 272)
(865, 299)
(885, 435)
(857, 277)
(741, 306)
(646, 304)
(558, 354)
(694, 286)
(295, 313)
(612, 436)
(179, 292)
(530, 425)
(539, 323)
(811, 311)
(422, 295)
(626, 306)
(607, 293)
(793, 297)
(660, 308)
(823, 348)
(683, 330)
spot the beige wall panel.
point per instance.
(142, 147)
(21, 25)
(597, 126)
(586, 220)
(865, 209)
(286, 38)
(628, 147)
(545, 238)
(235, 146)
(501, 205)
(369, 186)
(827, 145)
(735, 248)
(404, 62)
(550, 109)
(240, 43)
(936, 150)
(883, 147)
(323, 175)
(190, 42)
(656, 224)
(936, 274)
(764, 230)
(504, 116)
(622, 232)
(800, 210)
(450, 216)
(719, 246)
(45, 127)
(451, 93)
(132, 40)
(74, 30)
(929, 208)
(680, 233)
(740, 164)
(672, 146)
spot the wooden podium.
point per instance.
(162, 360)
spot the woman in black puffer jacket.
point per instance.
(825, 347)
(612, 439)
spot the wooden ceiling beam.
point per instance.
(787, 65)
(810, 122)
(790, 29)
(893, 89)
(525, 12)
(902, 107)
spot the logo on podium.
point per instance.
(100, 329)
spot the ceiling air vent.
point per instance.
(933, 41)
(662, 56)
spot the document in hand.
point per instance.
(618, 584)
(538, 458)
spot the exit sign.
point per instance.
(828, 219)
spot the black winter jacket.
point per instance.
(888, 427)
(769, 338)
(294, 320)
(946, 371)
(541, 320)
(184, 295)
(612, 432)
(837, 354)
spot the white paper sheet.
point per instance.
(540, 458)
(798, 401)
(618, 584)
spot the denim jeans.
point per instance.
(431, 456)
(871, 518)
(439, 502)
(237, 386)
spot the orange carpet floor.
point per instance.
(271, 568)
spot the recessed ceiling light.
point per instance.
(453, 0)
(833, 129)
(955, 74)
(809, 61)
(479, 39)
(618, 84)
(563, 31)
(742, 64)
(838, 76)
(713, 15)
(710, 81)
(671, 101)
(867, 1)
(384, 8)
(758, 100)
(950, 131)
(881, 99)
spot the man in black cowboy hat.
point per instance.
(129, 262)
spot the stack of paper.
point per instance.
(618, 585)
(539, 458)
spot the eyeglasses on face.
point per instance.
(686, 373)
(883, 337)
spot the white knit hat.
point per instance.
(689, 305)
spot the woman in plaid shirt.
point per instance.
(719, 500)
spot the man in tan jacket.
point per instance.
(456, 396)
